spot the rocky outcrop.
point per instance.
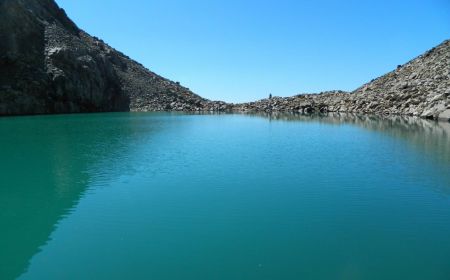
(421, 88)
(49, 65)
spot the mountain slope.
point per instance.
(49, 65)
(421, 87)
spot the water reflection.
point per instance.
(425, 135)
(48, 163)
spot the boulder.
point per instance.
(445, 115)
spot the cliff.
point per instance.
(48, 65)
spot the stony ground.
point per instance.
(48, 65)
(421, 88)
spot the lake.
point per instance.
(177, 196)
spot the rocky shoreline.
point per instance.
(48, 65)
(420, 88)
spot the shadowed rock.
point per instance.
(48, 65)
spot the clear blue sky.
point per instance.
(237, 50)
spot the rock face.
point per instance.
(49, 65)
(421, 88)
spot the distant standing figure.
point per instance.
(270, 96)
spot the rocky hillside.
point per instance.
(49, 65)
(421, 87)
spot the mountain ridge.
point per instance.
(49, 65)
(420, 87)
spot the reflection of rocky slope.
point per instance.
(72, 155)
(421, 87)
(29, 213)
(61, 169)
(48, 65)
(425, 135)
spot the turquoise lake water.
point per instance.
(173, 196)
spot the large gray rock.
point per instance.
(445, 115)
(49, 65)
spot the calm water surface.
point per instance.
(171, 196)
